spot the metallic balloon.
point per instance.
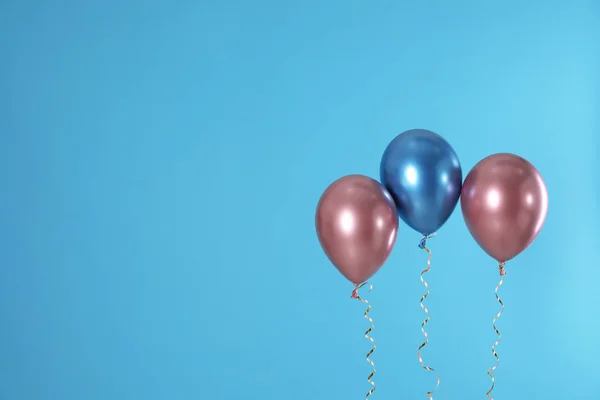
(504, 204)
(422, 173)
(357, 224)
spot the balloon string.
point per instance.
(502, 274)
(423, 245)
(355, 295)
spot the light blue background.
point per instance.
(160, 164)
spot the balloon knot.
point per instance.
(355, 293)
(501, 269)
(423, 241)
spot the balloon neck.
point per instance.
(355, 292)
(501, 269)
(423, 241)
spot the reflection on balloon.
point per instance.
(504, 203)
(357, 224)
(422, 173)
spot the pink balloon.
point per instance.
(357, 224)
(504, 203)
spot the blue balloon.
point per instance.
(422, 173)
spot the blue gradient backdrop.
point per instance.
(160, 164)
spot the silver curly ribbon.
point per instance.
(355, 295)
(423, 245)
(497, 342)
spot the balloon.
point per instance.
(357, 224)
(504, 204)
(422, 173)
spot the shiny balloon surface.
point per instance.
(357, 224)
(423, 174)
(504, 204)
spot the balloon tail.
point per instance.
(355, 295)
(502, 274)
(423, 245)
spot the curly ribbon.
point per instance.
(355, 295)
(502, 274)
(423, 245)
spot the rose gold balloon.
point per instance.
(357, 223)
(504, 203)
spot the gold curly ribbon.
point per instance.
(423, 245)
(502, 274)
(355, 295)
